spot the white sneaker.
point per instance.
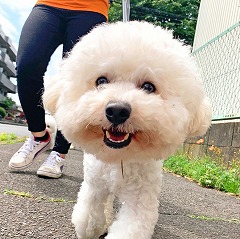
(52, 167)
(25, 156)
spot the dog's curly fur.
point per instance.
(128, 94)
(51, 128)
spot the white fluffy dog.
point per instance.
(51, 128)
(129, 95)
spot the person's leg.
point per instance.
(40, 36)
(42, 33)
(78, 24)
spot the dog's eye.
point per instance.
(148, 87)
(101, 80)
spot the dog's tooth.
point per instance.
(126, 137)
(107, 134)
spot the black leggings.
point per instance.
(45, 29)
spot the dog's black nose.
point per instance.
(117, 112)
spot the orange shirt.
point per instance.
(100, 6)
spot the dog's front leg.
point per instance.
(138, 214)
(136, 220)
(88, 214)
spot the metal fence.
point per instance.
(219, 61)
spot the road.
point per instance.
(187, 211)
(19, 130)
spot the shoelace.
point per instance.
(28, 147)
(53, 159)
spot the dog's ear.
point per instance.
(201, 119)
(53, 89)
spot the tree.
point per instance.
(177, 15)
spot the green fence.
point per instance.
(219, 61)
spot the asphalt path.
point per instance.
(19, 130)
(44, 210)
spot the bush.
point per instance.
(3, 112)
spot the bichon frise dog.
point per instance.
(128, 94)
(51, 128)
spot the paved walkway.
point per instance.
(186, 210)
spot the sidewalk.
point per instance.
(186, 210)
(11, 122)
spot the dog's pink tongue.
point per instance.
(116, 136)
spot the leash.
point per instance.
(126, 15)
(126, 10)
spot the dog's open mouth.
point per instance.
(116, 139)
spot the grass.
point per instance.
(17, 193)
(40, 198)
(206, 218)
(10, 138)
(206, 172)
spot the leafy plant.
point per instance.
(206, 172)
(10, 138)
(3, 112)
(6, 136)
(8, 103)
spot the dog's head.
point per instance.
(128, 90)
